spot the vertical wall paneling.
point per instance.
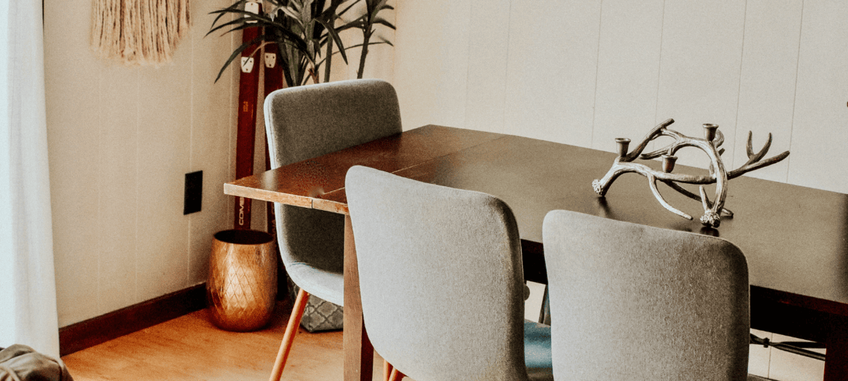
(121, 139)
(628, 67)
(551, 69)
(212, 110)
(118, 169)
(431, 67)
(700, 69)
(164, 151)
(767, 88)
(73, 103)
(487, 65)
(819, 133)
(586, 72)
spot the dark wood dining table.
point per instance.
(794, 238)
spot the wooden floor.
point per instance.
(191, 348)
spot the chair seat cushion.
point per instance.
(325, 284)
(537, 351)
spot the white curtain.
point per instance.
(27, 284)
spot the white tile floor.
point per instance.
(781, 365)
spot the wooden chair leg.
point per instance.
(387, 370)
(396, 375)
(288, 337)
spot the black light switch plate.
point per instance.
(193, 192)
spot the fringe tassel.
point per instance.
(139, 32)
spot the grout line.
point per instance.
(739, 88)
(795, 92)
(659, 66)
(597, 70)
(502, 127)
(191, 123)
(468, 63)
(99, 246)
(136, 294)
(659, 74)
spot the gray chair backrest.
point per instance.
(309, 121)
(632, 302)
(441, 278)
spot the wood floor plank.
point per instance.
(192, 348)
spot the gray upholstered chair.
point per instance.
(302, 123)
(632, 302)
(442, 282)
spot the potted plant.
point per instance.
(306, 32)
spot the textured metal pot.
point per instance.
(242, 284)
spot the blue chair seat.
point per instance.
(537, 351)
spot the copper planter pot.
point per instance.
(242, 284)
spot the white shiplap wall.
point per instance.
(121, 140)
(585, 72)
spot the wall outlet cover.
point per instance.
(193, 192)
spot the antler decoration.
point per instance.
(713, 139)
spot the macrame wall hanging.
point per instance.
(139, 32)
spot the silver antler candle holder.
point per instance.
(713, 139)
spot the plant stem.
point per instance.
(329, 60)
(366, 37)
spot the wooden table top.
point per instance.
(795, 238)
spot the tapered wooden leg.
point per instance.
(836, 356)
(359, 354)
(396, 375)
(288, 337)
(387, 370)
